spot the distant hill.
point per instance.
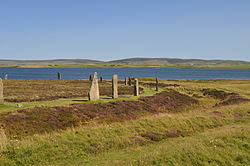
(46, 62)
(165, 61)
(130, 62)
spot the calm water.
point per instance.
(164, 73)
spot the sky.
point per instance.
(118, 29)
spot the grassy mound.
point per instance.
(225, 97)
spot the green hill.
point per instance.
(164, 61)
(130, 62)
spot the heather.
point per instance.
(198, 122)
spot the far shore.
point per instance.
(96, 65)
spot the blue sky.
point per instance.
(115, 29)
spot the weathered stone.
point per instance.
(59, 75)
(136, 87)
(115, 86)
(94, 88)
(126, 81)
(156, 84)
(1, 92)
(6, 77)
(129, 81)
(100, 78)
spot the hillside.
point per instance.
(43, 62)
(162, 61)
(126, 63)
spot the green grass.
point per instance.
(12, 106)
(206, 135)
(220, 146)
(89, 144)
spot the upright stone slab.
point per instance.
(129, 81)
(1, 91)
(94, 88)
(136, 87)
(6, 77)
(126, 81)
(59, 75)
(115, 86)
(156, 84)
(100, 78)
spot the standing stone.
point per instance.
(136, 87)
(115, 86)
(59, 75)
(90, 77)
(1, 91)
(129, 81)
(101, 79)
(6, 77)
(94, 88)
(126, 80)
(156, 84)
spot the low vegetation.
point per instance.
(51, 89)
(188, 122)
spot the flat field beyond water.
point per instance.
(186, 122)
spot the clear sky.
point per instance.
(115, 29)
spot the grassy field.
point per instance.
(188, 122)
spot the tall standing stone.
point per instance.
(156, 84)
(59, 75)
(129, 81)
(100, 78)
(115, 86)
(1, 91)
(126, 81)
(6, 77)
(94, 88)
(136, 87)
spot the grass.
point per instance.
(89, 144)
(12, 106)
(199, 134)
(51, 89)
(39, 120)
(221, 146)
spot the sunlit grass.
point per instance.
(208, 135)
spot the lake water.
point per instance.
(106, 73)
